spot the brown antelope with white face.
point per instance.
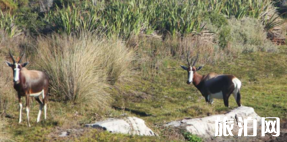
(213, 86)
(29, 83)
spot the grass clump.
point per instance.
(79, 68)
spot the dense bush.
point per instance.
(248, 35)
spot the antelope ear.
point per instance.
(183, 67)
(9, 64)
(200, 67)
(25, 64)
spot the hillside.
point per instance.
(113, 59)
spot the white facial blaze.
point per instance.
(190, 77)
(16, 72)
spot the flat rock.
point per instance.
(205, 127)
(128, 125)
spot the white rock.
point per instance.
(129, 125)
(205, 127)
(64, 134)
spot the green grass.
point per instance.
(263, 77)
(191, 138)
(163, 97)
(155, 88)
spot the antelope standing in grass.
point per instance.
(213, 85)
(29, 83)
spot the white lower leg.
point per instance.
(211, 101)
(39, 114)
(45, 111)
(20, 114)
(27, 111)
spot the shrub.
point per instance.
(248, 35)
(79, 68)
(224, 36)
(217, 20)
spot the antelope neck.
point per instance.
(196, 79)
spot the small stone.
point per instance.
(64, 134)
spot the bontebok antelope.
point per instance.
(212, 85)
(29, 83)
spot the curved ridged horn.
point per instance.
(21, 57)
(194, 62)
(11, 56)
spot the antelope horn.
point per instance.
(187, 59)
(11, 56)
(194, 62)
(21, 57)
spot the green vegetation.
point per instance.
(248, 35)
(7, 24)
(131, 17)
(122, 58)
(191, 138)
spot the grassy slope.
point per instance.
(164, 97)
(263, 76)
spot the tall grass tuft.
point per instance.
(79, 68)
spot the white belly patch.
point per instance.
(37, 94)
(217, 95)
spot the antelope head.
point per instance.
(16, 66)
(191, 69)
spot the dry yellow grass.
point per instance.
(80, 67)
(7, 94)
